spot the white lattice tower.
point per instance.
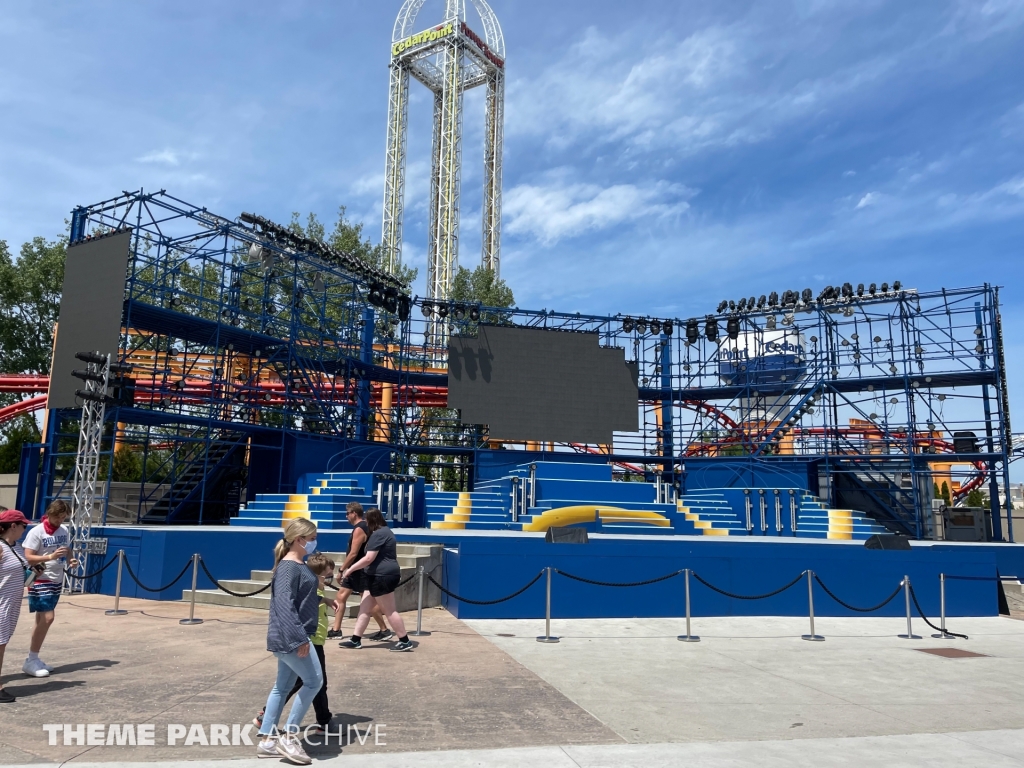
(87, 464)
(448, 59)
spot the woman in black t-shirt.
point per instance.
(380, 564)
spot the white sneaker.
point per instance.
(290, 748)
(46, 666)
(35, 668)
(267, 748)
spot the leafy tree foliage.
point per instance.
(30, 288)
(483, 286)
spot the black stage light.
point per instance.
(808, 296)
(459, 312)
(404, 308)
(761, 301)
(773, 299)
(847, 290)
(885, 287)
(692, 331)
(627, 325)
(86, 376)
(897, 285)
(784, 299)
(732, 327)
(711, 329)
(91, 357)
(732, 306)
(666, 327)
(655, 327)
(750, 304)
(722, 306)
(442, 310)
(374, 296)
(872, 289)
(641, 326)
(742, 306)
(474, 314)
(860, 290)
(390, 300)
(427, 309)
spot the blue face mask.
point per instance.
(310, 547)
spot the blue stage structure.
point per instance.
(275, 377)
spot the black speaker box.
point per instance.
(888, 541)
(567, 535)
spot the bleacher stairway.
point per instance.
(410, 557)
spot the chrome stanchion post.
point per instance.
(688, 638)
(117, 588)
(192, 605)
(547, 638)
(906, 594)
(419, 608)
(810, 607)
(943, 634)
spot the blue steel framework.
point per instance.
(237, 330)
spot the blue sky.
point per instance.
(660, 156)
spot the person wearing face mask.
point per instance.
(294, 618)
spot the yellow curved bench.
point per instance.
(587, 513)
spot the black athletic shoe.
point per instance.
(334, 633)
(6, 697)
(350, 644)
(384, 634)
(400, 646)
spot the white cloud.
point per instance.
(559, 209)
(161, 157)
(869, 199)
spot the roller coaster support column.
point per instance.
(363, 393)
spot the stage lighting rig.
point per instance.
(427, 309)
(761, 301)
(732, 327)
(711, 328)
(627, 325)
(655, 327)
(474, 313)
(722, 306)
(773, 299)
(666, 327)
(692, 331)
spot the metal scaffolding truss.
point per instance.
(448, 59)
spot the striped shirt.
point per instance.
(12, 589)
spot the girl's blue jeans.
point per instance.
(289, 668)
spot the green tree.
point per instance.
(30, 289)
(22, 431)
(976, 498)
(127, 466)
(945, 495)
(481, 286)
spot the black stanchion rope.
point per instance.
(846, 605)
(222, 588)
(618, 584)
(177, 578)
(937, 629)
(486, 602)
(747, 597)
(94, 574)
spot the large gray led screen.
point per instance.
(534, 384)
(90, 311)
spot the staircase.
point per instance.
(323, 500)
(410, 558)
(877, 487)
(206, 487)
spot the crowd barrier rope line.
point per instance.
(846, 605)
(712, 587)
(128, 567)
(461, 599)
(921, 613)
(222, 588)
(94, 574)
(666, 577)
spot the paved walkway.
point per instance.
(485, 693)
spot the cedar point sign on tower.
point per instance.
(448, 59)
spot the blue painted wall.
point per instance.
(488, 567)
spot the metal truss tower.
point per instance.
(448, 59)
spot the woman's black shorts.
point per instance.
(382, 585)
(356, 581)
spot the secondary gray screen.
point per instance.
(91, 306)
(535, 384)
